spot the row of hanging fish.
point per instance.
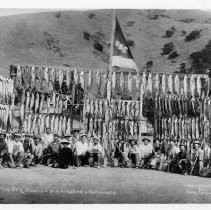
(195, 85)
(44, 103)
(181, 128)
(6, 90)
(168, 105)
(5, 116)
(60, 79)
(36, 124)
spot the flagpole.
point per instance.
(111, 55)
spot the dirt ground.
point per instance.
(42, 185)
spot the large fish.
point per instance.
(34, 123)
(52, 123)
(37, 101)
(61, 77)
(100, 109)
(68, 128)
(129, 82)
(46, 74)
(42, 125)
(96, 108)
(157, 82)
(57, 104)
(149, 83)
(192, 85)
(185, 84)
(197, 128)
(198, 85)
(98, 79)
(137, 79)
(81, 78)
(47, 122)
(32, 101)
(193, 128)
(29, 120)
(163, 83)
(52, 75)
(68, 78)
(177, 84)
(75, 75)
(144, 81)
(64, 125)
(56, 125)
(32, 77)
(121, 82)
(92, 107)
(113, 80)
(41, 103)
(170, 83)
(27, 101)
(90, 79)
(60, 126)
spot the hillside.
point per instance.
(57, 38)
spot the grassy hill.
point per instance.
(72, 38)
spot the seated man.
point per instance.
(38, 150)
(82, 155)
(158, 159)
(65, 154)
(16, 152)
(145, 152)
(134, 153)
(95, 150)
(52, 152)
(3, 149)
(73, 149)
(47, 138)
(182, 162)
(28, 146)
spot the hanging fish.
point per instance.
(41, 103)
(197, 128)
(163, 81)
(47, 122)
(88, 106)
(177, 84)
(144, 81)
(52, 123)
(170, 83)
(33, 124)
(96, 108)
(46, 74)
(198, 85)
(192, 85)
(90, 79)
(113, 80)
(185, 83)
(149, 83)
(27, 101)
(129, 82)
(61, 77)
(56, 125)
(64, 125)
(137, 79)
(157, 82)
(193, 128)
(81, 78)
(121, 82)
(76, 78)
(100, 109)
(37, 101)
(32, 101)
(32, 77)
(92, 107)
(68, 128)
(68, 78)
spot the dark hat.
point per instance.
(37, 136)
(146, 139)
(64, 141)
(197, 142)
(83, 134)
(66, 136)
(2, 135)
(56, 135)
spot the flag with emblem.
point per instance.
(122, 56)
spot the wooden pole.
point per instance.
(141, 111)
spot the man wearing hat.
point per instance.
(182, 162)
(53, 152)
(196, 158)
(134, 153)
(3, 149)
(28, 146)
(47, 138)
(16, 152)
(145, 152)
(95, 150)
(65, 154)
(38, 150)
(81, 151)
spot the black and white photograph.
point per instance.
(105, 106)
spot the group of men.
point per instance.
(171, 156)
(80, 150)
(50, 149)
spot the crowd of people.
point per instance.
(18, 150)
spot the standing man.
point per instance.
(3, 149)
(145, 152)
(16, 152)
(196, 158)
(81, 151)
(95, 152)
(47, 138)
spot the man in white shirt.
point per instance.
(145, 152)
(16, 152)
(47, 138)
(134, 153)
(82, 151)
(95, 150)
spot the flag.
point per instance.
(122, 56)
